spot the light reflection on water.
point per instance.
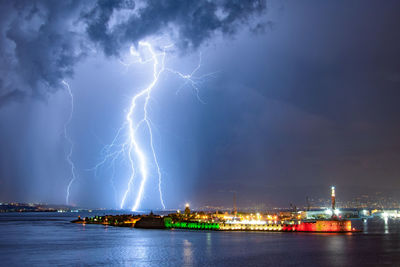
(386, 225)
(365, 226)
(49, 239)
(187, 252)
(336, 244)
(209, 244)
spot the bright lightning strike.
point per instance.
(132, 127)
(136, 156)
(71, 144)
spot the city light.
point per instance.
(328, 212)
(255, 222)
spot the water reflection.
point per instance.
(365, 226)
(187, 253)
(24, 242)
(139, 252)
(385, 219)
(336, 246)
(208, 244)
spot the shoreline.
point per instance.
(152, 221)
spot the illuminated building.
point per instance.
(187, 209)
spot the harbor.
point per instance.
(283, 222)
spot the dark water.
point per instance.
(39, 239)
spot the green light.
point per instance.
(190, 225)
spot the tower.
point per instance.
(234, 204)
(187, 210)
(333, 198)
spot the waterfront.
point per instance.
(50, 239)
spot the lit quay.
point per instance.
(294, 221)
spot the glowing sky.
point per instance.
(302, 95)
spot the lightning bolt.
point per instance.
(131, 147)
(133, 144)
(69, 141)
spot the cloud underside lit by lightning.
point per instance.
(70, 143)
(137, 117)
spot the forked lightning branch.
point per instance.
(126, 144)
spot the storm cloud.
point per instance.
(41, 41)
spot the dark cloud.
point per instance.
(15, 95)
(189, 23)
(39, 47)
(41, 41)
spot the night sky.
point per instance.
(295, 96)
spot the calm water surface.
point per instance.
(38, 239)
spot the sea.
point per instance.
(50, 239)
